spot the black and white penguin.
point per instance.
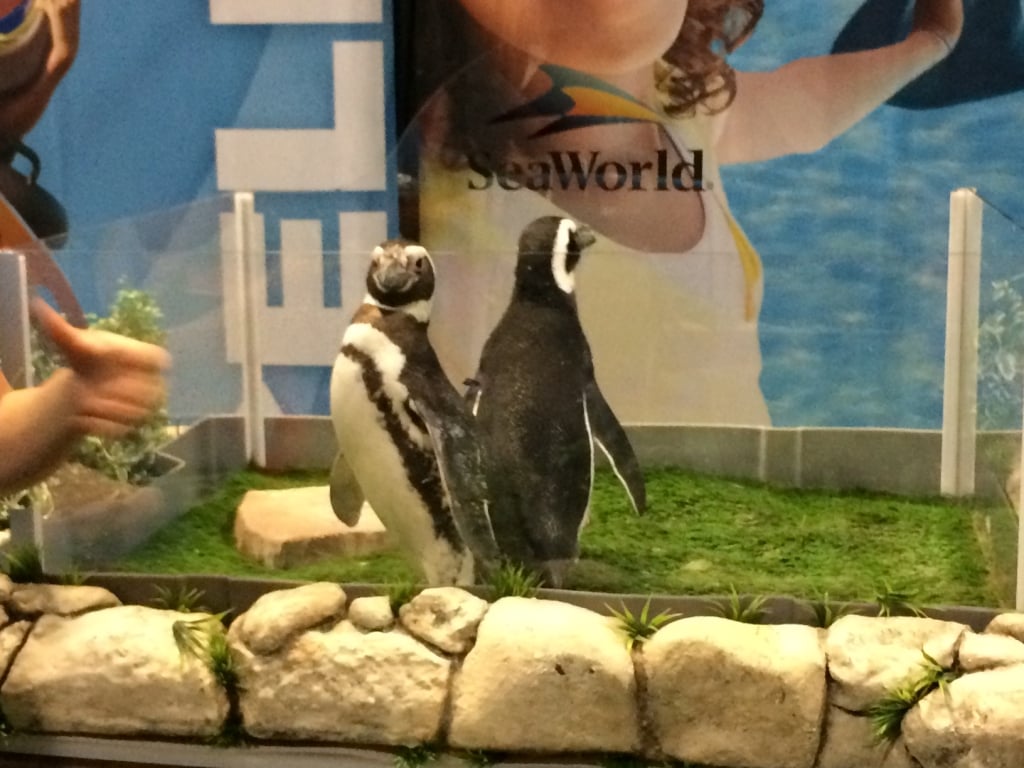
(540, 410)
(406, 439)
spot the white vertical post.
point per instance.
(15, 338)
(960, 393)
(252, 369)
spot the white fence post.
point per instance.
(252, 368)
(960, 393)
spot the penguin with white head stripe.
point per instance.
(540, 410)
(407, 442)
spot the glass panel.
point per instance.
(1000, 388)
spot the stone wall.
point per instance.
(526, 676)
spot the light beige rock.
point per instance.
(848, 742)
(11, 638)
(979, 725)
(278, 616)
(868, 656)
(372, 613)
(112, 672)
(344, 685)
(6, 587)
(1009, 624)
(285, 528)
(62, 600)
(980, 652)
(726, 693)
(548, 677)
(445, 617)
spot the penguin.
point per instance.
(541, 412)
(406, 439)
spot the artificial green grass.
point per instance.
(700, 535)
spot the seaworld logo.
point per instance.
(577, 100)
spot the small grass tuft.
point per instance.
(24, 565)
(893, 602)
(749, 611)
(513, 580)
(887, 714)
(481, 758)
(638, 628)
(180, 598)
(827, 612)
(401, 593)
(416, 757)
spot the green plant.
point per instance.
(639, 627)
(480, 758)
(132, 458)
(513, 580)
(24, 565)
(36, 497)
(401, 593)
(887, 714)
(180, 598)
(827, 612)
(205, 639)
(892, 602)
(415, 757)
(750, 610)
(1001, 358)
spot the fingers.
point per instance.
(53, 324)
(89, 350)
(124, 352)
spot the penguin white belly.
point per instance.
(376, 461)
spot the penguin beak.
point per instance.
(584, 236)
(394, 277)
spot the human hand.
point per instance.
(112, 383)
(64, 17)
(942, 18)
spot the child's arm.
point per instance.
(111, 384)
(803, 105)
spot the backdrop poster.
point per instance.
(770, 190)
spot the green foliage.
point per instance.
(827, 612)
(36, 497)
(401, 593)
(513, 580)
(750, 610)
(132, 458)
(24, 565)
(415, 757)
(1001, 359)
(480, 758)
(638, 628)
(180, 598)
(204, 639)
(892, 602)
(887, 714)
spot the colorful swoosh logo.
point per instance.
(579, 100)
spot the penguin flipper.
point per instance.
(609, 435)
(346, 496)
(462, 475)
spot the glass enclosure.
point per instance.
(254, 321)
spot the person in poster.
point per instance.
(619, 113)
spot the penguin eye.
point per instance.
(417, 263)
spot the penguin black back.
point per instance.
(533, 397)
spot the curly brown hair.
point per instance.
(448, 61)
(694, 72)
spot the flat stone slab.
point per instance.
(285, 528)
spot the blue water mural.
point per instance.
(854, 240)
